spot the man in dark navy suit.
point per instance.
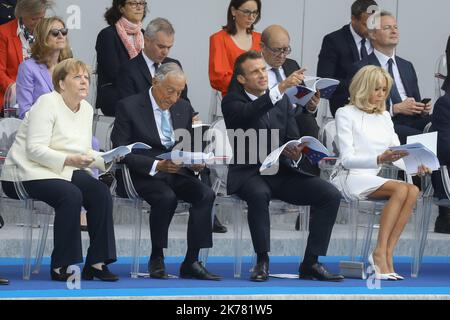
(441, 124)
(136, 74)
(257, 111)
(152, 117)
(409, 114)
(342, 48)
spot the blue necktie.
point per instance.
(166, 129)
(395, 95)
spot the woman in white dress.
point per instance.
(364, 133)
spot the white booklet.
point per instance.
(418, 154)
(314, 151)
(121, 151)
(189, 158)
(302, 94)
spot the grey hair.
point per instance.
(159, 25)
(168, 68)
(31, 7)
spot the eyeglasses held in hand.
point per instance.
(280, 51)
(56, 32)
(249, 13)
(135, 4)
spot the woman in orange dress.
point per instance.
(234, 39)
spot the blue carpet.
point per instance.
(434, 279)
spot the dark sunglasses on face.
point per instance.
(56, 32)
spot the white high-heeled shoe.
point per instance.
(378, 275)
(396, 275)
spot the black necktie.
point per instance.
(277, 74)
(363, 50)
(156, 66)
(395, 95)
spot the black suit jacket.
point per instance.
(135, 77)
(337, 55)
(409, 79)
(111, 54)
(306, 121)
(135, 122)
(7, 10)
(446, 84)
(241, 113)
(441, 124)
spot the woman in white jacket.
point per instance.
(53, 156)
(364, 133)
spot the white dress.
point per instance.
(361, 137)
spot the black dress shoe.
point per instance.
(196, 270)
(318, 272)
(218, 227)
(260, 272)
(4, 281)
(89, 273)
(61, 276)
(157, 268)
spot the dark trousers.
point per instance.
(296, 189)
(67, 198)
(163, 193)
(409, 126)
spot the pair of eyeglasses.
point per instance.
(280, 51)
(56, 32)
(135, 4)
(249, 13)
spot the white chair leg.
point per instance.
(136, 236)
(353, 228)
(42, 241)
(28, 239)
(238, 221)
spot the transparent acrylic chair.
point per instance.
(221, 148)
(10, 106)
(135, 205)
(373, 208)
(28, 206)
(440, 75)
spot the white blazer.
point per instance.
(361, 137)
(49, 133)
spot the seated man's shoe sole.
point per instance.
(89, 273)
(197, 271)
(4, 282)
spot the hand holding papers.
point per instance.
(123, 151)
(418, 156)
(190, 158)
(313, 150)
(302, 94)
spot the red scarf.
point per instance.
(125, 29)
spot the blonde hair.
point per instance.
(364, 83)
(65, 67)
(40, 50)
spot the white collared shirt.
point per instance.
(150, 64)
(383, 59)
(157, 115)
(26, 49)
(272, 77)
(357, 38)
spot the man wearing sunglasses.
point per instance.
(16, 38)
